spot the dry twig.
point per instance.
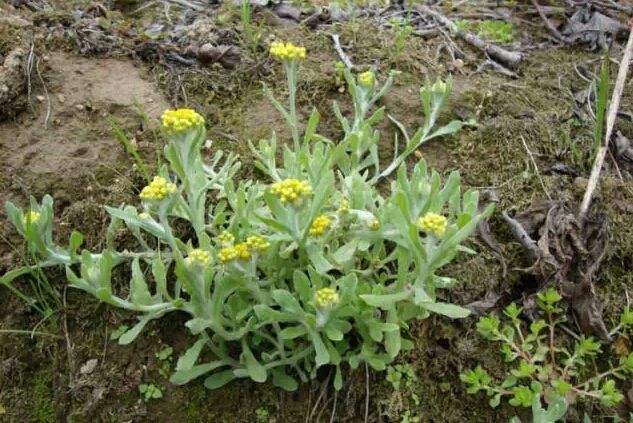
(510, 59)
(538, 173)
(339, 50)
(548, 24)
(611, 116)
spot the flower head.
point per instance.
(227, 254)
(144, 216)
(242, 251)
(291, 190)
(179, 120)
(157, 190)
(198, 257)
(374, 224)
(433, 223)
(238, 251)
(320, 224)
(226, 238)
(31, 217)
(287, 51)
(439, 87)
(257, 243)
(343, 208)
(326, 297)
(367, 79)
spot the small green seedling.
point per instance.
(496, 31)
(262, 415)
(545, 369)
(149, 391)
(116, 334)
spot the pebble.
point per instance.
(89, 366)
(80, 107)
(61, 98)
(40, 98)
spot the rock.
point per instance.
(40, 98)
(12, 79)
(89, 366)
(61, 98)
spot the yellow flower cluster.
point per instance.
(144, 216)
(433, 223)
(367, 79)
(343, 208)
(291, 189)
(226, 238)
(239, 251)
(257, 243)
(198, 257)
(320, 225)
(287, 51)
(31, 217)
(178, 120)
(158, 189)
(374, 224)
(326, 297)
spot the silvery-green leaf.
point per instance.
(255, 370)
(217, 380)
(302, 286)
(292, 332)
(386, 301)
(287, 301)
(182, 376)
(283, 381)
(139, 292)
(188, 359)
(446, 309)
(317, 257)
(131, 334)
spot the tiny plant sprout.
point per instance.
(545, 372)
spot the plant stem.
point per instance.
(29, 332)
(291, 77)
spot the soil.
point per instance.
(60, 141)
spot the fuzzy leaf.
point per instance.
(131, 334)
(446, 309)
(188, 359)
(283, 381)
(217, 380)
(180, 377)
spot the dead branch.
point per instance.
(611, 116)
(339, 50)
(510, 59)
(523, 237)
(185, 3)
(548, 24)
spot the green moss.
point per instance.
(496, 31)
(43, 403)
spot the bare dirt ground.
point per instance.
(125, 62)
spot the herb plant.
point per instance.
(497, 31)
(403, 30)
(312, 266)
(545, 371)
(149, 391)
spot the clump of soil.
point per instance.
(65, 144)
